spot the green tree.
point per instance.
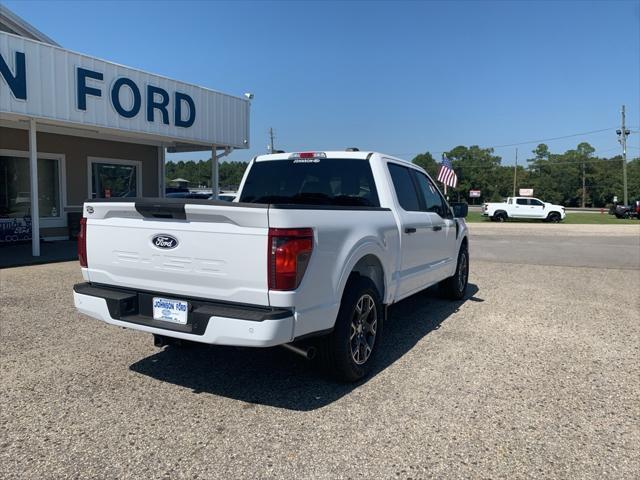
(556, 178)
(478, 169)
(605, 181)
(426, 161)
(633, 180)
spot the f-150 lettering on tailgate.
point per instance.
(172, 263)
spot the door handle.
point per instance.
(437, 228)
(410, 230)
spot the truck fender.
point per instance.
(368, 247)
(464, 238)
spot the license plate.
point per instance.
(169, 310)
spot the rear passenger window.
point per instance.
(403, 185)
(522, 201)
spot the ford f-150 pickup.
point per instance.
(308, 256)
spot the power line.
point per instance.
(544, 165)
(553, 138)
(523, 143)
(609, 150)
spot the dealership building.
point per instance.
(74, 127)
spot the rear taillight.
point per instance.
(289, 253)
(82, 243)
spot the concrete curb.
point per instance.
(555, 228)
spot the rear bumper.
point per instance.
(208, 322)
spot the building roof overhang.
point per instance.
(12, 23)
(221, 121)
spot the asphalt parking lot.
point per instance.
(535, 374)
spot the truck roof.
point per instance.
(361, 155)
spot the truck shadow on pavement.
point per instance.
(276, 377)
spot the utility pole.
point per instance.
(215, 179)
(584, 191)
(271, 148)
(623, 133)
(515, 174)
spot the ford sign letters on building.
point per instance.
(46, 82)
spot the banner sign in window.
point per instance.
(15, 229)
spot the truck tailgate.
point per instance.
(220, 248)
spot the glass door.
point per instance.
(15, 196)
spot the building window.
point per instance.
(15, 191)
(110, 178)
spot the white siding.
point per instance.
(51, 94)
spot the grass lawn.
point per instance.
(572, 217)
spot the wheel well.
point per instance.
(500, 212)
(369, 266)
(465, 243)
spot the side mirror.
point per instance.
(460, 210)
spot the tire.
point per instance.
(500, 216)
(348, 352)
(554, 217)
(455, 287)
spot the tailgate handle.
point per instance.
(165, 209)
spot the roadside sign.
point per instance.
(526, 192)
(615, 198)
(474, 193)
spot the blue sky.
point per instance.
(398, 77)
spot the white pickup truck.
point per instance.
(523, 207)
(309, 256)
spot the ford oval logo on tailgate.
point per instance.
(165, 241)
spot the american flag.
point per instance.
(446, 174)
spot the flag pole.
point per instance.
(445, 185)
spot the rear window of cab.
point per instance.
(317, 181)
